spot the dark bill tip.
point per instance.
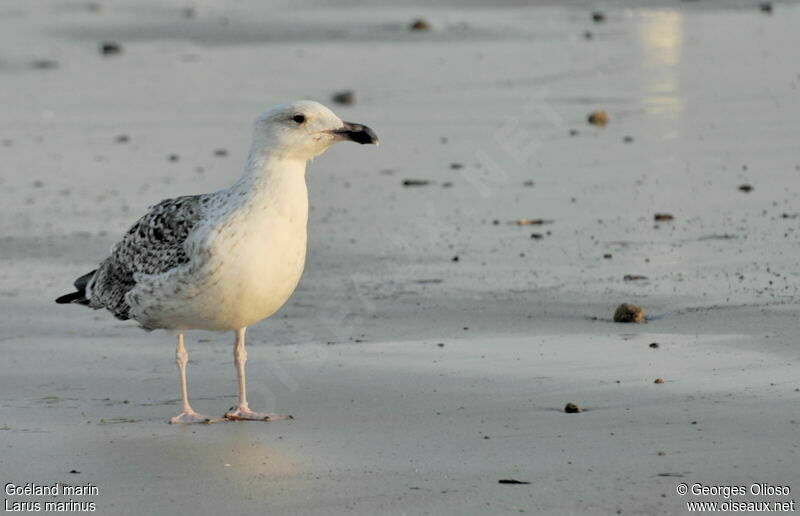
(357, 133)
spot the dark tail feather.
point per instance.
(78, 297)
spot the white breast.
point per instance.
(246, 262)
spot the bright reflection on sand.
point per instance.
(661, 35)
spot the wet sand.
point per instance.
(490, 108)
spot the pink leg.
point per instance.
(188, 415)
(242, 409)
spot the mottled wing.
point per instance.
(155, 244)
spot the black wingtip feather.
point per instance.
(75, 297)
(78, 297)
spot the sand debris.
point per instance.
(346, 97)
(416, 182)
(420, 24)
(633, 277)
(599, 118)
(110, 48)
(629, 313)
(532, 222)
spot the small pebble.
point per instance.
(416, 182)
(122, 138)
(659, 380)
(173, 157)
(598, 17)
(629, 313)
(109, 48)
(654, 345)
(599, 118)
(765, 7)
(661, 217)
(746, 188)
(571, 408)
(419, 25)
(633, 277)
(628, 139)
(537, 236)
(346, 98)
(221, 153)
(44, 64)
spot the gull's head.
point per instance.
(304, 129)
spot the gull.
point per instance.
(225, 260)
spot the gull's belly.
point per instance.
(252, 275)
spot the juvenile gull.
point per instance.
(225, 260)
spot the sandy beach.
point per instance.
(434, 341)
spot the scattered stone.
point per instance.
(629, 313)
(447, 184)
(420, 24)
(537, 236)
(571, 408)
(173, 157)
(416, 182)
(588, 34)
(455, 259)
(654, 345)
(662, 217)
(599, 118)
(122, 138)
(38, 183)
(765, 7)
(44, 64)
(659, 380)
(573, 132)
(347, 97)
(456, 166)
(746, 188)
(532, 222)
(628, 139)
(74, 472)
(662, 454)
(607, 256)
(441, 344)
(512, 481)
(633, 277)
(598, 17)
(110, 48)
(529, 183)
(221, 153)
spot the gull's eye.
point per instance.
(299, 118)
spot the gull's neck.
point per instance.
(269, 171)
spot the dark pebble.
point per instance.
(662, 217)
(109, 48)
(419, 25)
(571, 408)
(598, 17)
(347, 97)
(416, 182)
(746, 188)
